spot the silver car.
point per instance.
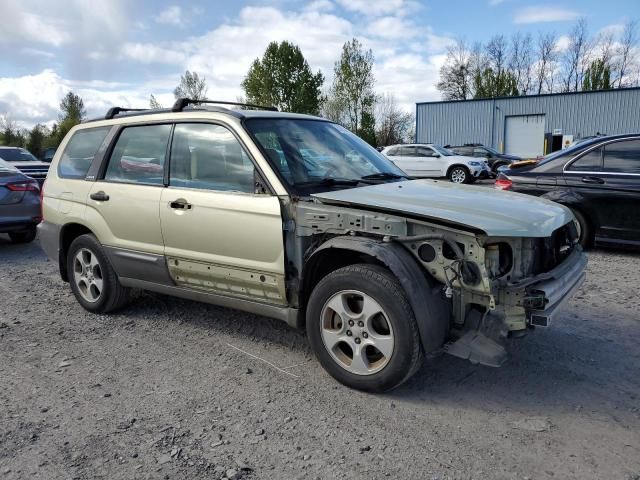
(19, 204)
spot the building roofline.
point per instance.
(529, 96)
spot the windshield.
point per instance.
(492, 151)
(315, 155)
(443, 151)
(570, 151)
(16, 155)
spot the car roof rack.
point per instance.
(181, 103)
(112, 112)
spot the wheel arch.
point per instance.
(424, 293)
(68, 233)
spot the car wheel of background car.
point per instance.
(23, 237)
(93, 280)
(362, 328)
(459, 174)
(496, 166)
(584, 229)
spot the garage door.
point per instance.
(524, 135)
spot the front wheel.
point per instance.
(93, 280)
(362, 328)
(459, 174)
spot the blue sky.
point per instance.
(117, 52)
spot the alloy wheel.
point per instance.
(87, 274)
(458, 175)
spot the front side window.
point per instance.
(589, 162)
(480, 152)
(424, 152)
(622, 157)
(80, 152)
(315, 155)
(407, 151)
(207, 156)
(443, 152)
(139, 154)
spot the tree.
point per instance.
(153, 103)
(11, 134)
(191, 86)
(626, 47)
(520, 61)
(283, 78)
(37, 137)
(353, 86)
(392, 124)
(597, 76)
(489, 84)
(575, 59)
(72, 108)
(545, 62)
(455, 74)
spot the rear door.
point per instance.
(219, 234)
(123, 204)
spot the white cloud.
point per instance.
(392, 28)
(562, 43)
(171, 15)
(545, 14)
(319, 6)
(377, 7)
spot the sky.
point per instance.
(118, 52)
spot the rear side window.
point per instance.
(393, 151)
(406, 151)
(139, 154)
(80, 152)
(589, 162)
(623, 157)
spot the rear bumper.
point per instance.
(17, 224)
(545, 299)
(49, 235)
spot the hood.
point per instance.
(495, 212)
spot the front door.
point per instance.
(219, 235)
(123, 205)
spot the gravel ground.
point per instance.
(173, 389)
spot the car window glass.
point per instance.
(480, 152)
(80, 152)
(622, 157)
(209, 157)
(392, 151)
(424, 152)
(139, 154)
(17, 155)
(406, 151)
(589, 162)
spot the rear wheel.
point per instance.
(362, 328)
(23, 237)
(93, 280)
(459, 174)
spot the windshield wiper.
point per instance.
(383, 176)
(329, 181)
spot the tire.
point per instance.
(394, 328)
(459, 174)
(27, 236)
(93, 281)
(496, 166)
(584, 228)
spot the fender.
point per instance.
(425, 295)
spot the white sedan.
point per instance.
(432, 161)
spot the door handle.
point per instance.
(592, 180)
(180, 204)
(99, 196)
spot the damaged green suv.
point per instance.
(293, 217)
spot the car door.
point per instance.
(402, 157)
(220, 236)
(123, 204)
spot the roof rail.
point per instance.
(181, 103)
(112, 112)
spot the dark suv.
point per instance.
(494, 157)
(598, 179)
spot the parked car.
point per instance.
(24, 161)
(293, 217)
(598, 179)
(433, 161)
(493, 157)
(19, 204)
(47, 155)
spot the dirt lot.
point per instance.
(165, 390)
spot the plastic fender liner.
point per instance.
(425, 294)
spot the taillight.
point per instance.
(42, 201)
(31, 186)
(503, 183)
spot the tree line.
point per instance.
(524, 65)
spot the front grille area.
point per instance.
(552, 251)
(39, 172)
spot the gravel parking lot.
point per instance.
(169, 388)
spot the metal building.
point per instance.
(532, 125)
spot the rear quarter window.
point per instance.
(80, 152)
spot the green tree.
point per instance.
(597, 76)
(488, 84)
(352, 88)
(283, 78)
(37, 137)
(72, 108)
(153, 103)
(191, 86)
